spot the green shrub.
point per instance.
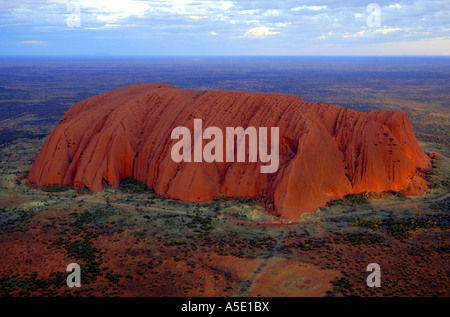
(355, 199)
(83, 190)
(396, 194)
(55, 188)
(360, 238)
(130, 185)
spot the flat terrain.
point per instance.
(129, 241)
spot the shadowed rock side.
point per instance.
(326, 151)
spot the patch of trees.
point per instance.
(350, 199)
(55, 188)
(402, 228)
(130, 185)
(363, 238)
(8, 136)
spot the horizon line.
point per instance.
(190, 56)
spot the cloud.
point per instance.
(313, 8)
(196, 17)
(259, 32)
(431, 46)
(271, 12)
(251, 12)
(395, 6)
(379, 31)
(110, 12)
(282, 24)
(34, 43)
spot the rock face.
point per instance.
(326, 151)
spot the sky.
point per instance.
(224, 27)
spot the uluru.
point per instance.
(325, 151)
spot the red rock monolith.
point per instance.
(326, 151)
